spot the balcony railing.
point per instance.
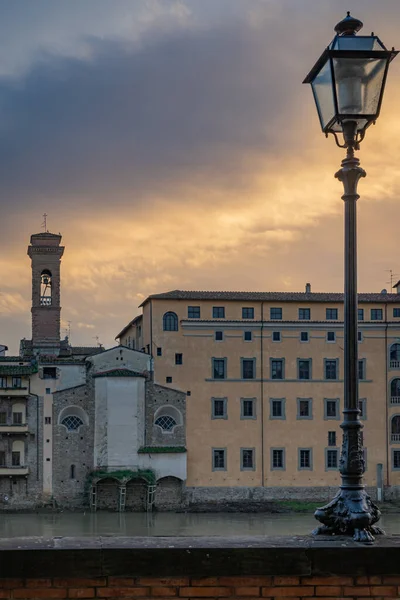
(395, 400)
(395, 364)
(395, 437)
(13, 391)
(10, 471)
(13, 428)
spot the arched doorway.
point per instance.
(168, 493)
(107, 494)
(136, 495)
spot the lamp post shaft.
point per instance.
(351, 511)
(351, 461)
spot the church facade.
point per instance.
(84, 426)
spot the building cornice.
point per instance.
(192, 324)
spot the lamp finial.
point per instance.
(349, 25)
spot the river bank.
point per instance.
(273, 507)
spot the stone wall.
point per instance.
(72, 447)
(252, 499)
(160, 397)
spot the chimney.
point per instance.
(3, 350)
(397, 286)
(308, 288)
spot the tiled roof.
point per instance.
(270, 296)
(86, 350)
(62, 360)
(121, 333)
(119, 373)
(16, 370)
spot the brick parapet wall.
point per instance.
(190, 568)
(241, 588)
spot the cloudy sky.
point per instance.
(172, 144)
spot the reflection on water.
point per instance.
(164, 524)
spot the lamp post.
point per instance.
(348, 81)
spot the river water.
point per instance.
(164, 524)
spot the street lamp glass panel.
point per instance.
(358, 85)
(322, 88)
(359, 42)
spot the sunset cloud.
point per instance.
(173, 146)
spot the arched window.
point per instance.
(72, 472)
(395, 389)
(170, 321)
(72, 423)
(18, 454)
(168, 417)
(395, 428)
(45, 288)
(395, 352)
(73, 417)
(166, 422)
(18, 414)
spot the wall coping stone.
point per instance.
(196, 556)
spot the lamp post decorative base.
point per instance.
(351, 512)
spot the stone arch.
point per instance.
(107, 492)
(72, 418)
(169, 493)
(167, 418)
(46, 291)
(136, 495)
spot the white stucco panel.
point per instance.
(125, 428)
(165, 465)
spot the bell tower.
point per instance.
(45, 253)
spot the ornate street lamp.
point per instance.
(348, 81)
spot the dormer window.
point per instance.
(45, 288)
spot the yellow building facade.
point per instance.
(263, 374)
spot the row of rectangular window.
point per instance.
(304, 314)
(219, 408)
(17, 418)
(13, 382)
(15, 459)
(247, 459)
(277, 336)
(248, 368)
(278, 459)
(248, 337)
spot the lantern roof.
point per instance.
(349, 25)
